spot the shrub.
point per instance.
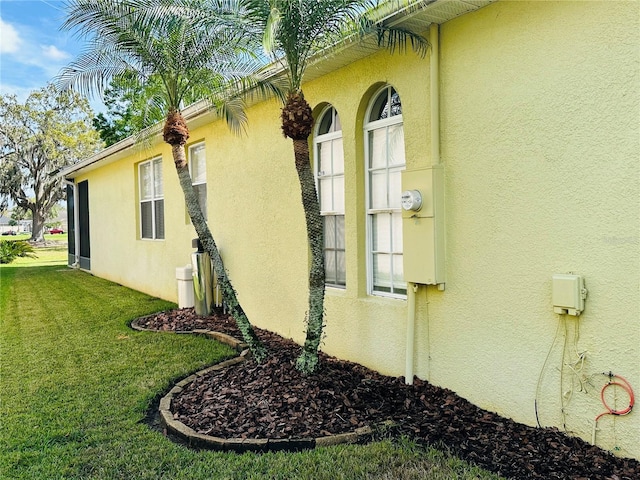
(12, 249)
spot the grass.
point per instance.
(76, 381)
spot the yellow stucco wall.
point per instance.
(540, 138)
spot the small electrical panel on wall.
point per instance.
(568, 294)
(422, 204)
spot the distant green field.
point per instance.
(58, 237)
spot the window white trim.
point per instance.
(199, 184)
(332, 210)
(388, 212)
(151, 200)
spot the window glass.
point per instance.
(338, 193)
(386, 104)
(330, 271)
(158, 207)
(330, 183)
(151, 191)
(394, 199)
(396, 232)
(337, 153)
(326, 195)
(395, 135)
(382, 272)
(330, 231)
(398, 276)
(146, 214)
(201, 193)
(198, 164)
(380, 107)
(340, 245)
(341, 268)
(198, 170)
(381, 232)
(385, 161)
(325, 156)
(325, 124)
(378, 190)
(158, 189)
(146, 187)
(378, 148)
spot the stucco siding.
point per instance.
(540, 138)
(540, 135)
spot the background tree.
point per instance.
(131, 107)
(37, 138)
(158, 40)
(293, 31)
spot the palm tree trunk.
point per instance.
(307, 362)
(204, 234)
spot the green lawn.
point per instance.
(75, 382)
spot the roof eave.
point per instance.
(417, 16)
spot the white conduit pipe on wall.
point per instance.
(411, 331)
(434, 73)
(412, 288)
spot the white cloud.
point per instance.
(10, 40)
(53, 53)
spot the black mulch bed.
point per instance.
(274, 401)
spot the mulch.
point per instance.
(273, 400)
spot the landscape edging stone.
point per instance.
(238, 445)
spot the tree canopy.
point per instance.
(38, 138)
(130, 108)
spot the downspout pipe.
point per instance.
(412, 288)
(434, 74)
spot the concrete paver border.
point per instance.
(239, 445)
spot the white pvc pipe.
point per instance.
(434, 71)
(411, 331)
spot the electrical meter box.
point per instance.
(423, 225)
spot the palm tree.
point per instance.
(293, 31)
(153, 39)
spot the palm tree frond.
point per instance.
(397, 39)
(272, 27)
(91, 72)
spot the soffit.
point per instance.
(417, 17)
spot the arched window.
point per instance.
(329, 169)
(384, 156)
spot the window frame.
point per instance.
(320, 139)
(156, 168)
(397, 290)
(203, 183)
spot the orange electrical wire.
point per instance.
(626, 386)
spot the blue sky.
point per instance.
(33, 49)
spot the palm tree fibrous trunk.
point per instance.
(308, 360)
(297, 124)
